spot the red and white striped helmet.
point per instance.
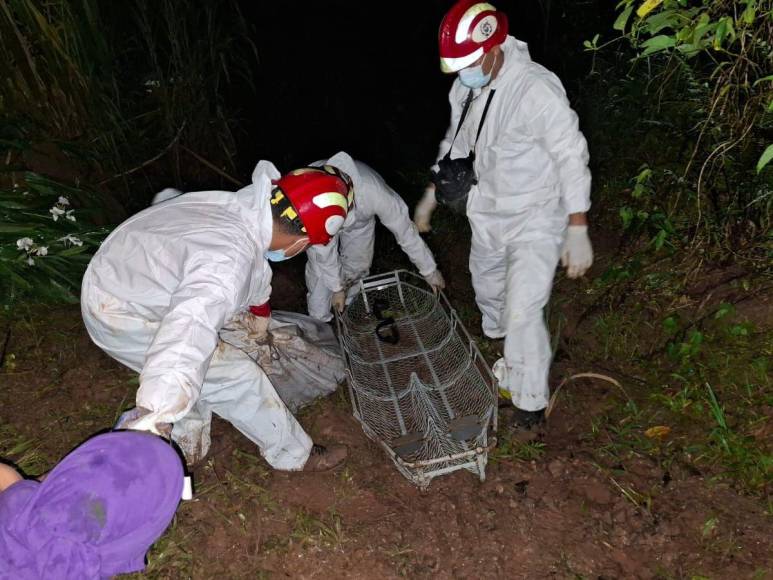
(319, 198)
(468, 31)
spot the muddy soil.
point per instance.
(564, 514)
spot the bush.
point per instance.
(702, 73)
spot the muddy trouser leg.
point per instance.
(527, 355)
(237, 389)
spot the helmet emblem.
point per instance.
(485, 28)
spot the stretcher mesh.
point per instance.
(422, 391)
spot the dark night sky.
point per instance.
(363, 76)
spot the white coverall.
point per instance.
(156, 294)
(532, 166)
(348, 256)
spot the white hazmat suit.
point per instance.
(348, 257)
(156, 294)
(532, 166)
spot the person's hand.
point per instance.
(8, 476)
(577, 253)
(257, 326)
(422, 215)
(436, 280)
(339, 301)
(141, 419)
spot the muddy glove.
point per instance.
(256, 321)
(140, 419)
(422, 215)
(257, 326)
(577, 253)
(436, 280)
(339, 301)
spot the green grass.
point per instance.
(23, 452)
(710, 388)
(311, 531)
(510, 449)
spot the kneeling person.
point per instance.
(166, 281)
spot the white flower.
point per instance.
(69, 215)
(42, 251)
(24, 244)
(56, 211)
(70, 239)
(63, 201)
(30, 261)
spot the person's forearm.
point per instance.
(578, 219)
(8, 476)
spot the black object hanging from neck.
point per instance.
(455, 177)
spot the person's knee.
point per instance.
(520, 318)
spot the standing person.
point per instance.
(515, 161)
(94, 515)
(330, 269)
(167, 280)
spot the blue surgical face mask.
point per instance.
(473, 77)
(281, 255)
(275, 255)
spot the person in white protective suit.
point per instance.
(163, 284)
(527, 180)
(332, 268)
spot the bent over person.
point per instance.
(515, 161)
(332, 268)
(168, 279)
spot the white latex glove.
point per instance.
(422, 215)
(577, 253)
(140, 419)
(436, 280)
(339, 301)
(257, 326)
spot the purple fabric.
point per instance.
(96, 514)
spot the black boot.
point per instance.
(528, 420)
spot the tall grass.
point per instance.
(114, 89)
(59, 69)
(121, 82)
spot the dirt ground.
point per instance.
(555, 509)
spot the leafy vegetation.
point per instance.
(681, 101)
(700, 76)
(45, 244)
(100, 96)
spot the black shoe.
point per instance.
(322, 458)
(528, 420)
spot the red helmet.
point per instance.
(319, 198)
(468, 31)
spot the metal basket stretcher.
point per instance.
(418, 384)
